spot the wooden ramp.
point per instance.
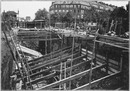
(29, 51)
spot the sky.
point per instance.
(29, 8)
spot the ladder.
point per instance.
(21, 60)
(5, 28)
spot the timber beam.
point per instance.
(53, 74)
(47, 87)
(96, 82)
(38, 38)
(56, 52)
(43, 60)
(48, 61)
(42, 78)
(47, 55)
(112, 44)
(57, 67)
(39, 63)
(52, 62)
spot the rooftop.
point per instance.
(88, 3)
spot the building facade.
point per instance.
(78, 7)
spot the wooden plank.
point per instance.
(56, 68)
(111, 44)
(41, 79)
(75, 66)
(52, 74)
(113, 38)
(87, 86)
(28, 51)
(38, 39)
(29, 31)
(47, 61)
(49, 54)
(48, 57)
(47, 87)
(54, 62)
(33, 33)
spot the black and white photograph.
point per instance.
(64, 45)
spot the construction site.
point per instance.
(70, 61)
(62, 59)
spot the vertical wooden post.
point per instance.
(46, 45)
(115, 26)
(73, 45)
(107, 61)
(64, 75)
(120, 26)
(95, 62)
(60, 75)
(86, 51)
(121, 61)
(80, 49)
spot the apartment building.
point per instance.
(78, 7)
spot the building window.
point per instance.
(56, 6)
(82, 6)
(74, 6)
(63, 10)
(67, 10)
(78, 16)
(71, 6)
(82, 11)
(67, 6)
(78, 6)
(63, 6)
(78, 11)
(82, 16)
(59, 10)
